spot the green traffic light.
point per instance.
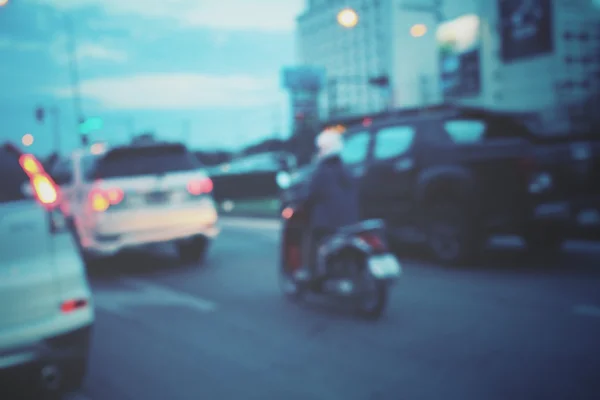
(90, 125)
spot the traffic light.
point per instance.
(88, 125)
(40, 114)
(381, 81)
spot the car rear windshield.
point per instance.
(135, 161)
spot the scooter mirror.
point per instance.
(283, 179)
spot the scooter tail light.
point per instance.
(374, 241)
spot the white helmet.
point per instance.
(329, 143)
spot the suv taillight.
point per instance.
(198, 187)
(102, 199)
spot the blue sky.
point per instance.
(150, 65)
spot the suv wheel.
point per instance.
(451, 234)
(193, 250)
(544, 242)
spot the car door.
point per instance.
(391, 174)
(28, 290)
(356, 157)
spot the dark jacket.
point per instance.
(332, 197)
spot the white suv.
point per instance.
(137, 195)
(46, 310)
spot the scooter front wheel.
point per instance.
(372, 302)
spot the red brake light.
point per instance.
(73, 305)
(373, 240)
(200, 186)
(43, 186)
(287, 213)
(30, 164)
(45, 189)
(101, 200)
(115, 196)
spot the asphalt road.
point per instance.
(223, 331)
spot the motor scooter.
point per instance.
(353, 264)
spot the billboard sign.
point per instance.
(526, 29)
(459, 43)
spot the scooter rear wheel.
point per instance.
(372, 301)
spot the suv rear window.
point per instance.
(135, 161)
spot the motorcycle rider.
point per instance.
(332, 199)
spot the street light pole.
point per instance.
(56, 129)
(74, 71)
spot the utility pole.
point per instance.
(74, 75)
(56, 129)
(40, 115)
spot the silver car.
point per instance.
(46, 310)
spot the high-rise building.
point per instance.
(536, 55)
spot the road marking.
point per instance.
(142, 294)
(251, 223)
(76, 396)
(587, 310)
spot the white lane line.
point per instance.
(122, 301)
(587, 310)
(251, 223)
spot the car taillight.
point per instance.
(200, 186)
(30, 165)
(373, 240)
(45, 189)
(73, 305)
(102, 199)
(287, 213)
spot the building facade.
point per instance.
(525, 55)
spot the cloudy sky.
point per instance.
(207, 67)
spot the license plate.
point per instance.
(589, 217)
(384, 267)
(156, 197)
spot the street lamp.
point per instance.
(418, 30)
(27, 139)
(348, 18)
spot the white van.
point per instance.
(46, 309)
